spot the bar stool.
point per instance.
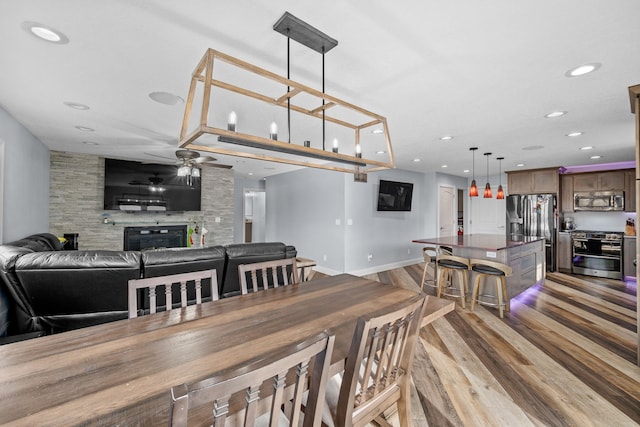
(486, 269)
(429, 253)
(453, 266)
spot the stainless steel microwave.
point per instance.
(599, 201)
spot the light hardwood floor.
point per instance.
(564, 356)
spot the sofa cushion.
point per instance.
(39, 242)
(164, 262)
(77, 287)
(247, 253)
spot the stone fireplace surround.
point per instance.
(76, 205)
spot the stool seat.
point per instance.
(489, 269)
(447, 266)
(456, 265)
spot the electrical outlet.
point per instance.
(369, 257)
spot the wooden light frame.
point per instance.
(203, 74)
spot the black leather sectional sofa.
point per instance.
(45, 289)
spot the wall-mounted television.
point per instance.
(394, 196)
(148, 187)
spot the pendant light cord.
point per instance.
(323, 121)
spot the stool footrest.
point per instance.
(487, 303)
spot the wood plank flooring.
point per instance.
(564, 356)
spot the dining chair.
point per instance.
(264, 386)
(149, 286)
(377, 371)
(262, 275)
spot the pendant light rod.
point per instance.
(323, 102)
(288, 87)
(487, 187)
(473, 189)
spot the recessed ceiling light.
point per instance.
(555, 114)
(45, 32)
(572, 134)
(377, 131)
(444, 166)
(76, 105)
(166, 98)
(85, 129)
(380, 152)
(519, 165)
(586, 148)
(250, 173)
(583, 69)
(533, 147)
(416, 160)
(446, 138)
(595, 157)
(466, 171)
(89, 143)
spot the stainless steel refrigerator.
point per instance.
(534, 215)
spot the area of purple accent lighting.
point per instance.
(527, 297)
(631, 164)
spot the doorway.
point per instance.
(254, 215)
(447, 213)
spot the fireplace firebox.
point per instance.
(155, 237)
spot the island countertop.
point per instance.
(490, 242)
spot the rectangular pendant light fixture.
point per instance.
(314, 103)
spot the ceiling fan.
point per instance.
(192, 159)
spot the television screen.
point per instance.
(135, 186)
(394, 196)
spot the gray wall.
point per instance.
(25, 204)
(333, 220)
(76, 204)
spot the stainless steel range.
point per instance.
(597, 253)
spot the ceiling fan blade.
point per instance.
(217, 165)
(205, 159)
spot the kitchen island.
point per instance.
(524, 254)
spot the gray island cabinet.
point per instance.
(525, 256)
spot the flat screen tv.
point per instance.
(135, 186)
(395, 196)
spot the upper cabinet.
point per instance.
(599, 181)
(535, 181)
(617, 180)
(630, 190)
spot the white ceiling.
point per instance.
(485, 73)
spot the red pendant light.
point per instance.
(487, 187)
(500, 194)
(473, 190)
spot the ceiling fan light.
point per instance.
(195, 172)
(184, 171)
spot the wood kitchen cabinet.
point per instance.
(599, 181)
(630, 190)
(566, 193)
(535, 181)
(564, 252)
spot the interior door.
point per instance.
(447, 214)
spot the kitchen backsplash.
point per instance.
(599, 221)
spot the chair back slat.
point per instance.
(183, 280)
(377, 370)
(262, 275)
(269, 382)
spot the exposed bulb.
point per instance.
(358, 151)
(335, 145)
(231, 121)
(273, 130)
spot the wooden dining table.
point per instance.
(120, 373)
